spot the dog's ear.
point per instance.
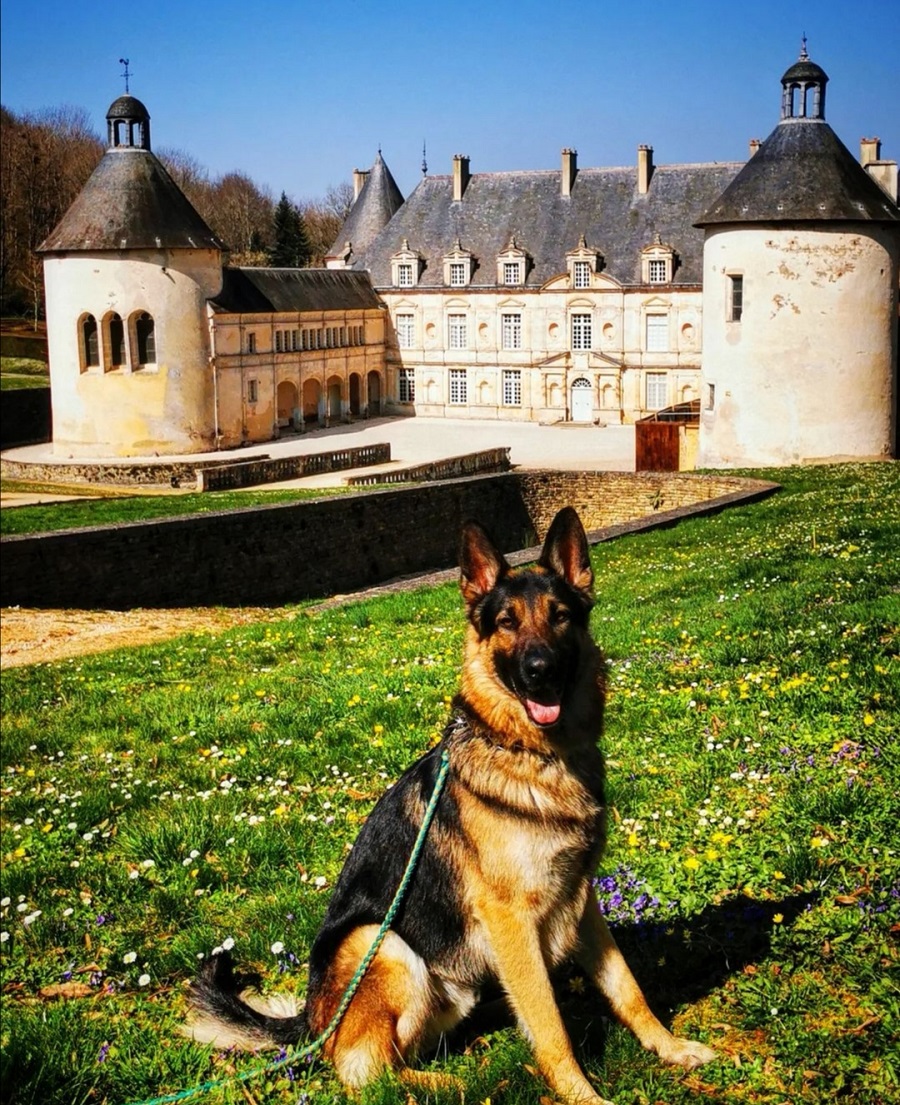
(566, 551)
(481, 564)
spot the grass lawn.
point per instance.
(127, 505)
(160, 802)
(23, 372)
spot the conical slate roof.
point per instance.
(802, 172)
(375, 206)
(130, 202)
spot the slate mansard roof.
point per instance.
(252, 290)
(802, 172)
(130, 202)
(604, 206)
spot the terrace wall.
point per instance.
(287, 552)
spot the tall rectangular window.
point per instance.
(511, 331)
(407, 385)
(251, 342)
(581, 274)
(512, 387)
(658, 271)
(405, 275)
(512, 272)
(253, 391)
(657, 333)
(657, 390)
(279, 340)
(406, 331)
(456, 327)
(457, 274)
(735, 298)
(458, 387)
(581, 331)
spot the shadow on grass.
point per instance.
(676, 963)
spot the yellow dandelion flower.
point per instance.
(692, 863)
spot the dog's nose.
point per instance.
(537, 666)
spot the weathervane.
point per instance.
(804, 56)
(126, 74)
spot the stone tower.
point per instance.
(127, 273)
(800, 272)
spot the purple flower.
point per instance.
(103, 1053)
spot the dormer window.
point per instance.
(458, 267)
(582, 262)
(657, 262)
(512, 265)
(406, 266)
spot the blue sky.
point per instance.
(297, 94)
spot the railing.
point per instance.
(470, 464)
(249, 473)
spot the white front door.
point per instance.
(582, 400)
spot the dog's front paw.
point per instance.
(687, 1053)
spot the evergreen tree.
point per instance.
(292, 248)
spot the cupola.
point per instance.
(803, 89)
(128, 124)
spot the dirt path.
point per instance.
(32, 636)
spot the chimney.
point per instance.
(869, 150)
(359, 179)
(754, 145)
(569, 170)
(644, 169)
(460, 175)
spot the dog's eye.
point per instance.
(560, 616)
(506, 621)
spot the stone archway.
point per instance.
(355, 395)
(374, 393)
(313, 410)
(334, 399)
(288, 405)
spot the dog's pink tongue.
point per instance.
(542, 713)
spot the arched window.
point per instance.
(116, 341)
(145, 336)
(89, 342)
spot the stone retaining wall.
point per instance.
(291, 551)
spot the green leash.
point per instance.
(319, 1043)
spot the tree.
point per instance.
(241, 216)
(291, 248)
(47, 157)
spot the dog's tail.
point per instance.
(222, 1015)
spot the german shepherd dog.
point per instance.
(503, 888)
